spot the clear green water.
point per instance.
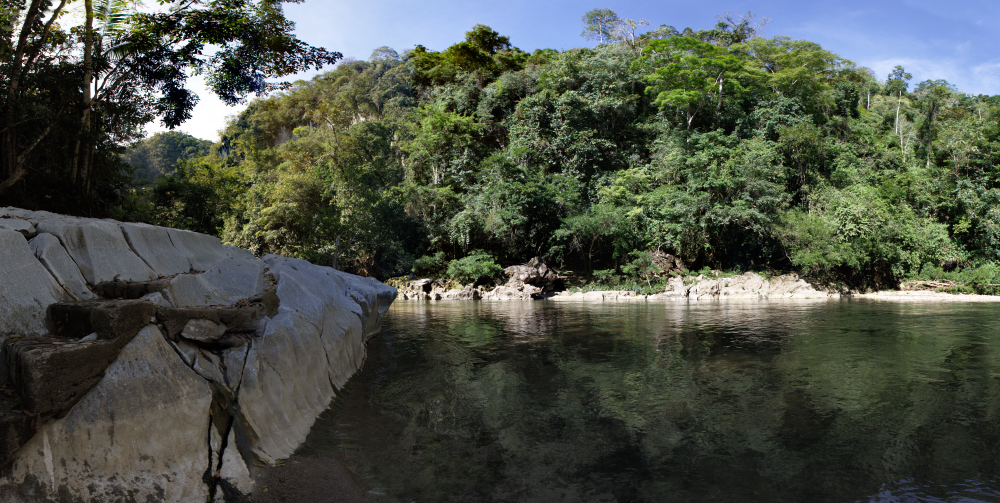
(780, 401)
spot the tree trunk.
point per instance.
(10, 168)
(88, 160)
(88, 78)
(718, 106)
(13, 160)
(899, 103)
(336, 254)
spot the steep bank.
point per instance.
(145, 363)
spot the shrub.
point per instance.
(429, 265)
(477, 266)
(642, 269)
(983, 279)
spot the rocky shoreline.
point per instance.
(925, 296)
(526, 283)
(747, 286)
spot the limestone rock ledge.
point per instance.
(746, 286)
(141, 363)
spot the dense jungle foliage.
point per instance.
(79, 80)
(723, 147)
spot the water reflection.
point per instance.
(755, 401)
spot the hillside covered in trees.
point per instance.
(159, 154)
(727, 149)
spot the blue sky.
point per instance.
(953, 40)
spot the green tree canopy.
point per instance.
(688, 74)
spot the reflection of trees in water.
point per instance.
(631, 402)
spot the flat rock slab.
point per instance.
(226, 282)
(130, 289)
(154, 246)
(247, 318)
(99, 248)
(201, 250)
(26, 287)
(56, 259)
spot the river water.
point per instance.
(840, 400)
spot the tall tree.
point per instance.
(24, 49)
(483, 55)
(626, 31)
(600, 25)
(687, 74)
(144, 62)
(738, 28)
(896, 84)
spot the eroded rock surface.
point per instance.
(747, 286)
(149, 364)
(54, 257)
(26, 287)
(533, 280)
(139, 435)
(536, 281)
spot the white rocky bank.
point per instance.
(746, 286)
(228, 367)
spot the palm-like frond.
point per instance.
(113, 18)
(112, 15)
(119, 47)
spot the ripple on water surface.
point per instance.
(740, 401)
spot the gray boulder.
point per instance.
(155, 248)
(676, 288)
(26, 287)
(142, 432)
(534, 279)
(20, 225)
(99, 248)
(194, 352)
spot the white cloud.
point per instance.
(979, 79)
(987, 76)
(922, 69)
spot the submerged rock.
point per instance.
(149, 364)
